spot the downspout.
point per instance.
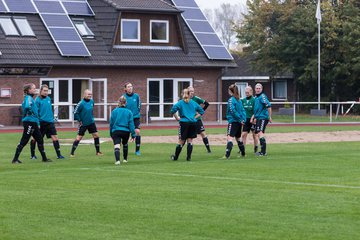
(219, 88)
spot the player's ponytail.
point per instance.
(27, 87)
(186, 95)
(122, 101)
(234, 91)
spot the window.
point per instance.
(8, 26)
(24, 27)
(83, 29)
(241, 87)
(159, 31)
(130, 30)
(279, 89)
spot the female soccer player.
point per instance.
(188, 111)
(84, 114)
(30, 123)
(236, 116)
(248, 102)
(47, 126)
(261, 117)
(121, 125)
(133, 103)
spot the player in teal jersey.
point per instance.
(188, 111)
(30, 123)
(133, 103)
(248, 103)
(121, 126)
(83, 113)
(200, 129)
(261, 117)
(46, 117)
(236, 116)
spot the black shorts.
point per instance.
(119, 137)
(31, 129)
(234, 129)
(187, 130)
(137, 123)
(199, 126)
(48, 129)
(261, 125)
(248, 126)
(91, 128)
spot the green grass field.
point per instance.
(299, 191)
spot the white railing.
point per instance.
(297, 109)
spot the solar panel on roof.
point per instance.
(78, 8)
(202, 30)
(49, 6)
(55, 20)
(73, 49)
(20, 6)
(2, 7)
(64, 34)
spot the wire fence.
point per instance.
(283, 112)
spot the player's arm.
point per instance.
(131, 126)
(174, 110)
(77, 111)
(139, 103)
(206, 105)
(199, 110)
(270, 113)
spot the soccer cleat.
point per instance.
(188, 159)
(137, 153)
(15, 161)
(256, 149)
(260, 154)
(60, 157)
(224, 157)
(172, 157)
(33, 157)
(125, 161)
(99, 154)
(209, 151)
(72, 155)
(46, 160)
(117, 163)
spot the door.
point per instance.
(99, 92)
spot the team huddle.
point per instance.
(244, 115)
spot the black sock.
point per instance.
(189, 151)
(42, 151)
(206, 142)
(97, 144)
(178, 151)
(57, 147)
(32, 147)
(74, 146)
(263, 145)
(137, 142)
(17, 152)
(117, 154)
(229, 146)
(241, 147)
(125, 149)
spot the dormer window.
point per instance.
(16, 26)
(159, 31)
(130, 30)
(8, 26)
(83, 29)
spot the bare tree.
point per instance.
(224, 19)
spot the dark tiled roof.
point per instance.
(244, 68)
(149, 5)
(42, 50)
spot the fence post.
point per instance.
(220, 113)
(294, 113)
(330, 112)
(147, 114)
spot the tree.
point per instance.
(283, 36)
(224, 19)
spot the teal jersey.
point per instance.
(46, 113)
(84, 112)
(30, 110)
(133, 103)
(261, 107)
(235, 111)
(187, 111)
(199, 101)
(248, 104)
(122, 120)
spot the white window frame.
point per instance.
(167, 31)
(122, 28)
(272, 89)
(87, 29)
(241, 89)
(12, 23)
(31, 34)
(161, 97)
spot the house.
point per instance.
(277, 88)
(161, 46)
